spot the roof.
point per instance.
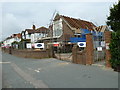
(13, 36)
(41, 29)
(29, 30)
(8, 38)
(16, 35)
(38, 30)
(101, 28)
(77, 23)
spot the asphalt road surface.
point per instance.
(52, 73)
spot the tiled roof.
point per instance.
(42, 30)
(29, 30)
(13, 36)
(78, 23)
(16, 35)
(8, 38)
(38, 30)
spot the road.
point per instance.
(52, 73)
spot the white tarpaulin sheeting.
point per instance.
(99, 48)
(103, 43)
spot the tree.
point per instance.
(115, 49)
(114, 18)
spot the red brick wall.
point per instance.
(67, 32)
(108, 55)
(78, 57)
(89, 49)
(31, 53)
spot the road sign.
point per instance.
(81, 44)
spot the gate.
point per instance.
(63, 51)
(99, 47)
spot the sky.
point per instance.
(18, 16)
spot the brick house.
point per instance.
(65, 27)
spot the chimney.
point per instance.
(33, 27)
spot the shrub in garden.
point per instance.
(115, 49)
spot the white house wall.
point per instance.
(36, 36)
(9, 42)
(23, 36)
(28, 36)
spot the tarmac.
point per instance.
(53, 73)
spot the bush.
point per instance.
(115, 49)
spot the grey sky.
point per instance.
(17, 16)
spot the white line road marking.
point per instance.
(4, 62)
(27, 77)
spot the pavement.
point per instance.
(20, 72)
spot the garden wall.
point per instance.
(38, 54)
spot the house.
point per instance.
(32, 35)
(63, 28)
(12, 39)
(7, 42)
(40, 33)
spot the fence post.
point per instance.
(107, 51)
(89, 49)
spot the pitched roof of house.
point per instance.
(101, 28)
(8, 38)
(41, 29)
(29, 31)
(13, 36)
(16, 35)
(77, 23)
(38, 30)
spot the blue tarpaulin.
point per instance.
(83, 36)
(77, 39)
(85, 31)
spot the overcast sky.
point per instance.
(17, 16)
